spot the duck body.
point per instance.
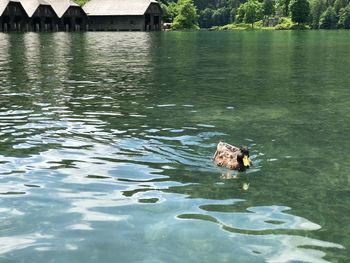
(232, 157)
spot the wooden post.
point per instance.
(74, 25)
(152, 23)
(11, 24)
(42, 24)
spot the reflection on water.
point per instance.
(106, 146)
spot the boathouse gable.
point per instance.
(153, 17)
(71, 16)
(74, 19)
(44, 19)
(13, 17)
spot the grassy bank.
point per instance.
(285, 23)
(241, 27)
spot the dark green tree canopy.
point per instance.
(268, 7)
(282, 7)
(317, 7)
(299, 10)
(328, 19)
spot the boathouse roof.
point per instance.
(61, 6)
(3, 4)
(117, 7)
(30, 6)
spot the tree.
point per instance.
(299, 10)
(169, 11)
(250, 12)
(282, 7)
(268, 7)
(205, 18)
(221, 16)
(240, 13)
(344, 17)
(317, 7)
(186, 17)
(253, 12)
(328, 19)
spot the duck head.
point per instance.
(244, 157)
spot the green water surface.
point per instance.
(106, 142)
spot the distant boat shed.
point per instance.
(123, 15)
(41, 16)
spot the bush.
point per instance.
(284, 24)
(299, 27)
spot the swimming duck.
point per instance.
(232, 157)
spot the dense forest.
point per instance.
(281, 14)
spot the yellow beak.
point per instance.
(246, 161)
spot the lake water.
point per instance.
(106, 142)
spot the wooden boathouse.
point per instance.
(41, 16)
(123, 15)
(66, 15)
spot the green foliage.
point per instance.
(284, 24)
(240, 13)
(344, 17)
(339, 4)
(268, 7)
(221, 16)
(282, 7)
(293, 14)
(253, 12)
(317, 7)
(81, 2)
(241, 26)
(299, 10)
(169, 11)
(216, 12)
(250, 12)
(328, 19)
(206, 18)
(186, 17)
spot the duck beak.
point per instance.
(246, 161)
